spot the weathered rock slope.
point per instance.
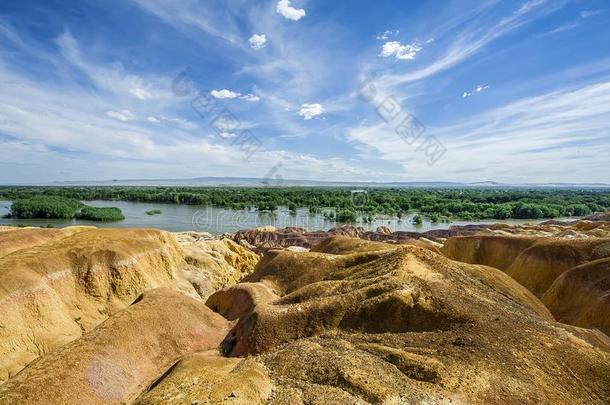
(56, 285)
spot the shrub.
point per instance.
(346, 216)
(100, 214)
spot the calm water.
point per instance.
(175, 217)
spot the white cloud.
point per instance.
(386, 34)
(250, 97)
(477, 89)
(309, 111)
(224, 93)
(400, 51)
(258, 41)
(47, 117)
(140, 93)
(154, 120)
(122, 115)
(227, 135)
(289, 12)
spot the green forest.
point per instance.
(346, 204)
(60, 207)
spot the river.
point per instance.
(176, 218)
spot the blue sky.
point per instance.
(510, 91)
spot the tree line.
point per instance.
(347, 204)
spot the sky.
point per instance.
(468, 91)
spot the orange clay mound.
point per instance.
(534, 262)
(401, 324)
(554, 269)
(120, 358)
(581, 296)
(53, 291)
(495, 251)
(538, 266)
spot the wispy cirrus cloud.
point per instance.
(583, 15)
(538, 135)
(472, 40)
(103, 93)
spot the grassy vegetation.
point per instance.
(59, 207)
(153, 212)
(100, 214)
(436, 204)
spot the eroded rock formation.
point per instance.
(54, 286)
(349, 321)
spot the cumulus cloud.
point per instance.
(154, 120)
(476, 90)
(224, 93)
(289, 12)
(258, 41)
(122, 115)
(309, 111)
(400, 51)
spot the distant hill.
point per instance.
(256, 182)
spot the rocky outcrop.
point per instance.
(224, 262)
(67, 283)
(265, 238)
(262, 239)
